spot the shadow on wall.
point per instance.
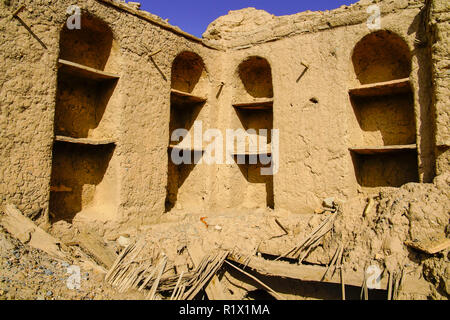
(304, 289)
(187, 70)
(90, 45)
(81, 168)
(177, 175)
(391, 169)
(252, 174)
(256, 119)
(256, 76)
(80, 104)
(386, 120)
(183, 117)
(188, 77)
(381, 56)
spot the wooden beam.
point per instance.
(315, 274)
(430, 247)
(214, 288)
(27, 232)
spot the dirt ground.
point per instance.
(30, 274)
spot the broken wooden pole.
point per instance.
(15, 16)
(19, 10)
(429, 247)
(368, 207)
(276, 295)
(27, 232)
(312, 273)
(155, 52)
(176, 286)
(214, 289)
(342, 283)
(303, 72)
(151, 294)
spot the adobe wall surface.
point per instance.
(439, 27)
(138, 114)
(315, 116)
(311, 107)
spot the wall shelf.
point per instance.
(83, 71)
(383, 149)
(260, 104)
(179, 98)
(174, 146)
(382, 88)
(251, 153)
(84, 141)
(60, 188)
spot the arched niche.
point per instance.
(84, 166)
(384, 148)
(92, 45)
(189, 73)
(381, 56)
(256, 76)
(189, 91)
(253, 105)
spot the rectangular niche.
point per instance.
(384, 148)
(256, 119)
(80, 107)
(253, 102)
(260, 187)
(83, 180)
(189, 86)
(386, 120)
(259, 190)
(387, 168)
(183, 116)
(177, 175)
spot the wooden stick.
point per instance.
(333, 259)
(342, 283)
(156, 282)
(155, 52)
(146, 281)
(181, 292)
(366, 291)
(341, 250)
(389, 294)
(341, 266)
(308, 238)
(281, 226)
(142, 273)
(277, 296)
(311, 247)
(176, 286)
(206, 275)
(19, 10)
(396, 287)
(368, 207)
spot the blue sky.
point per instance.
(194, 16)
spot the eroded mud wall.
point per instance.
(134, 114)
(439, 27)
(300, 68)
(314, 68)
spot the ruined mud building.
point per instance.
(86, 115)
